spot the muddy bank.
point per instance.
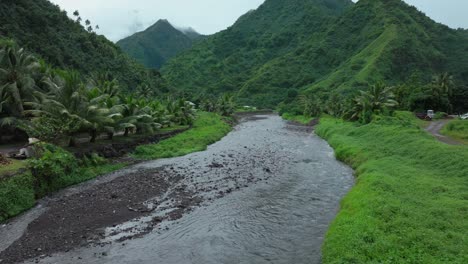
(116, 149)
(265, 193)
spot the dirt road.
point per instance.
(435, 127)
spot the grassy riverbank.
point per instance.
(297, 118)
(58, 168)
(409, 203)
(457, 129)
(207, 129)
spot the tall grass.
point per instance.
(457, 129)
(207, 129)
(410, 203)
(297, 118)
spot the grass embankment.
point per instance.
(19, 193)
(410, 201)
(58, 168)
(297, 118)
(207, 129)
(457, 129)
(13, 167)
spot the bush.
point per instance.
(16, 195)
(54, 164)
(440, 115)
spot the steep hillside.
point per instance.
(392, 41)
(320, 45)
(41, 27)
(157, 44)
(226, 61)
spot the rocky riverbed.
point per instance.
(266, 193)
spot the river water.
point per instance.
(282, 189)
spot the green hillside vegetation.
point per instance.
(409, 203)
(157, 44)
(42, 28)
(231, 59)
(323, 47)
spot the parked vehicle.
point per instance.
(430, 114)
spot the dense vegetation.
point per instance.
(231, 59)
(44, 29)
(323, 46)
(51, 104)
(409, 203)
(55, 169)
(158, 43)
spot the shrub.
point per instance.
(54, 163)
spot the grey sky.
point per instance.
(120, 18)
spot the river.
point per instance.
(282, 191)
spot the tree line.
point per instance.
(52, 104)
(441, 94)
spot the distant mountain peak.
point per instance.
(158, 43)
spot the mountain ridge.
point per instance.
(342, 48)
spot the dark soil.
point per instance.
(79, 219)
(114, 149)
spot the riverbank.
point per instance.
(409, 203)
(20, 192)
(301, 119)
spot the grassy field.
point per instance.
(297, 118)
(410, 201)
(207, 129)
(457, 129)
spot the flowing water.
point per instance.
(286, 186)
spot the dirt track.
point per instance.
(435, 127)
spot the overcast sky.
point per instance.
(120, 18)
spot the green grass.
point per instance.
(457, 129)
(14, 166)
(297, 118)
(207, 129)
(409, 204)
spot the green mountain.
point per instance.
(326, 45)
(159, 43)
(41, 27)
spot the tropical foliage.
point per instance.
(44, 29)
(51, 104)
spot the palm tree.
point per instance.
(226, 105)
(311, 105)
(16, 81)
(442, 88)
(378, 99)
(444, 82)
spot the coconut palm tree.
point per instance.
(16, 81)
(378, 99)
(226, 105)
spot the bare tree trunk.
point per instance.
(126, 132)
(110, 136)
